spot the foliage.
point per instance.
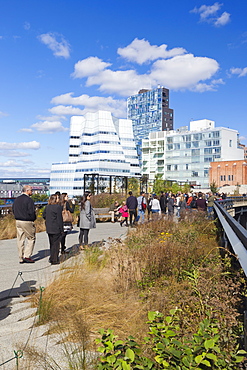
(39, 197)
(158, 185)
(104, 200)
(134, 185)
(213, 187)
(171, 347)
(121, 355)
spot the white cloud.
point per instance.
(60, 48)
(183, 71)
(69, 110)
(123, 83)
(49, 126)
(91, 104)
(9, 164)
(26, 130)
(3, 114)
(209, 13)
(27, 26)
(241, 72)
(24, 145)
(88, 67)
(13, 153)
(223, 19)
(140, 51)
(206, 11)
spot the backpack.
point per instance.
(144, 205)
(193, 204)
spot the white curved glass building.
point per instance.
(101, 147)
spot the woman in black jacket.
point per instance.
(54, 227)
(67, 225)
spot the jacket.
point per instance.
(53, 218)
(131, 202)
(24, 209)
(87, 217)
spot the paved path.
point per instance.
(16, 281)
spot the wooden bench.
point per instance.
(102, 213)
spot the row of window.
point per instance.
(102, 152)
(102, 170)
(99, 133)
(224, 177)
(102, 142)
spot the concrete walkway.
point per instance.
(18, 280)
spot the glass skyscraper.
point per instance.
(149, 111)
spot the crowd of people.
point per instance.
(59, 220)
(154, 206)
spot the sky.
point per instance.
(60, 58)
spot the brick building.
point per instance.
(228, 172)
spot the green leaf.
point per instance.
(211, 356)
(130, 354)
(199, 359)
(209, 343)
(152, 315)
(206, 362)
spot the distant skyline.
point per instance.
(61, 58)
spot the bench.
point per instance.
(101, 213)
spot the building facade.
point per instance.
(101, 147)
(185, 155)
(149, 111)
(225, 173)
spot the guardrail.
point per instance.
(237, 236)
(236, 233)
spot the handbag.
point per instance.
(67, 216)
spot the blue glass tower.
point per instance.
(149, 111)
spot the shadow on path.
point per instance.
(25, 289)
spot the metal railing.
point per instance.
(235, 232)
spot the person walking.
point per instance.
(67, 218)
(54, 227)
(87, 219)
(123, 210)
(24, 212)
(141, 207)
(163, 202)
(171, 205)
(155, 207)
(131, 203)
(210, 204)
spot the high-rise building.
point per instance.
(101, 147)
(185, 155)
(149, 111)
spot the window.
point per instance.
(168, 167)
(230, 143)
(221, 178)
(186, 166)
(175, 167)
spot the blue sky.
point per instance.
(63, 58)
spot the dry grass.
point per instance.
(8, 228)
(161, 265)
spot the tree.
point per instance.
(213, 187)
(133, 185)
(158, 184)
